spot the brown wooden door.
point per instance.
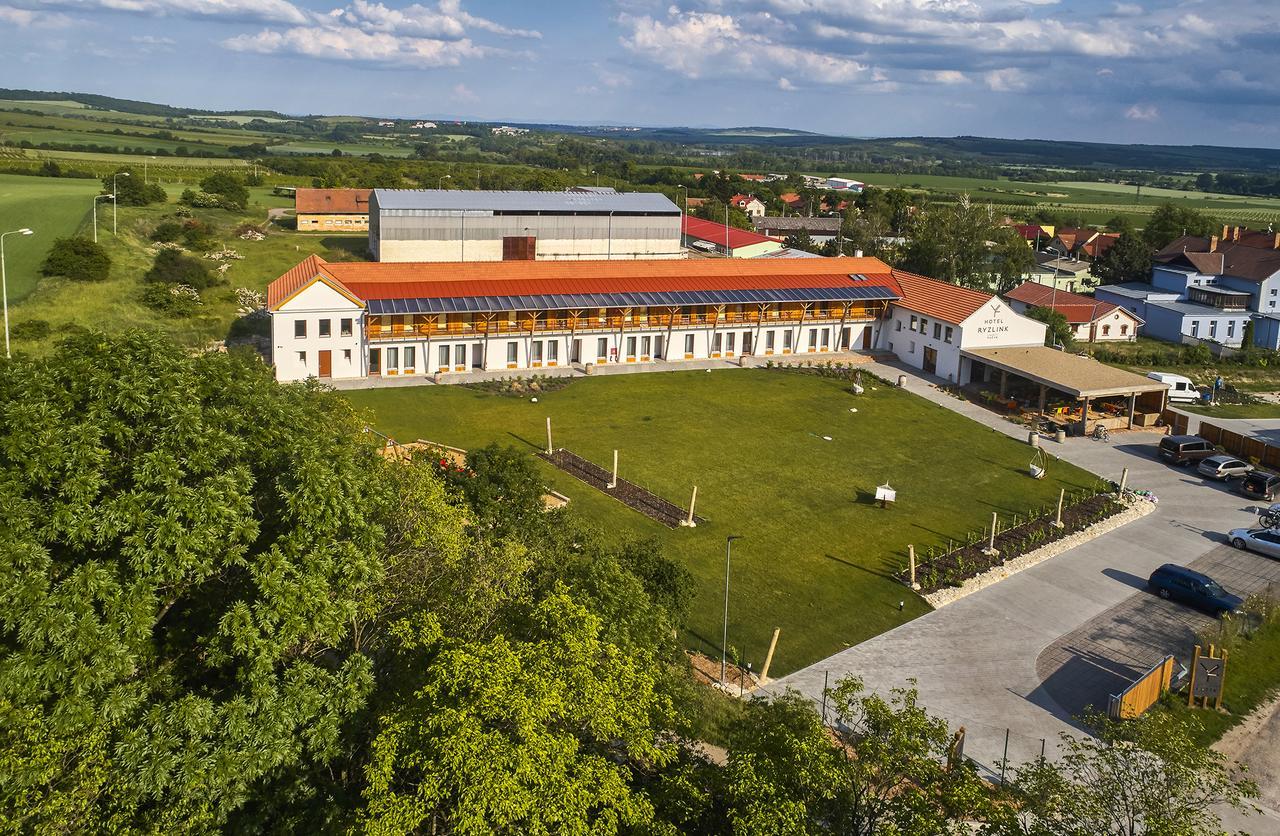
(326, 363)
(866, 338)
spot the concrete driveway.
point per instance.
(976, 662)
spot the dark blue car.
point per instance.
(1187, 586)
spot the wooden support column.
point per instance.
(1004, 383)
(755, 344)
(1044, 391)
(844, 315)
(671, 322)
(574, 316)
(715, 325)
(795, 344)
(1133, 397)
(1084, 417)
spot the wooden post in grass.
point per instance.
(911, 555)
(1062, 495)
(1191, 686)
(990, 550)
(768, 659)
(613, 483)
(549, 448)
(1124, 479)
(1222, 682)
(693, 500)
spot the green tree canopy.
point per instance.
(173, 267)
(187, 545)
(1169, 222)
(77, 258)
(1059, 331)
(131, 189)
(1128, 260)
(228, 187)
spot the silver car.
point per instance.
(1223, 467)
(1262, 540)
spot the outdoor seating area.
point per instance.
(1068, 392)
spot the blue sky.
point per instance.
(1158, 71)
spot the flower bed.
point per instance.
(633, 496)
(521, 386)
(953, 568)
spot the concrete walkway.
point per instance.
(974, 661)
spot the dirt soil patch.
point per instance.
(632, 495)
(707, 671)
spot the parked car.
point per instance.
(1223, 468)
(1261, 540)
(1185, 449)
(1180, 388)
(1178, 583)
(1261, 485)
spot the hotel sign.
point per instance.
(994, 325)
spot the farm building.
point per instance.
(821, 230)
(332, 210)
(585, 223)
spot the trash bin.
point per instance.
(1033, 438)
(902, 381)
(1060, 436)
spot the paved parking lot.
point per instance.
(1109, 651)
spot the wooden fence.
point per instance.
(1177, 422)
(1142, 692)
(1246, 447)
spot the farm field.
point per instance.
(53, 207)
(354, 149)
(817, 552)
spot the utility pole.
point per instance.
(724, 639)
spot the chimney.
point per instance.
(858, 253)
(1213, 244)
(1226, 233)
(1275, 243)
(1235, 233)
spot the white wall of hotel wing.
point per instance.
(299, 352)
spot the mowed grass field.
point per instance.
(817, 553)
(53, 207)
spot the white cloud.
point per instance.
(24, 18)
(1142, 113)
(785, 84)
(277, 11)
(697, 44)
(944, 76)
(1007, 80)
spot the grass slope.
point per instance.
(818, 553)
(53, 207)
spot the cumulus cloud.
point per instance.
(785, 84)
(1007, 80)
(33, 18)
(374, 33)
(1142, 113)
(276, 11)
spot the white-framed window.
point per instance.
(513, 352)
(326, 328)
(346, 354)
(1231, 329)
(1213, 328)
(950, 333)
(688, 343)
(914, 320)
(937, 330)
(813, 338)
(768, 340)
(409, 358)
(1195, 327)
(302, 357)
(300, 329)
(786, 340)
(344, 327)
(393, 358)
(444, 356)
(553, 351)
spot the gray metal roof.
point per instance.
(1135, 290)
(531, 203)
(567, 301)
(1192, 309)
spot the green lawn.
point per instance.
(52, 207)
(817, 552)
(1227, 411)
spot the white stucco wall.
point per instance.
(297, 358)
(548, 249)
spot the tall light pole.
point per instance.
(445, 177)
(686, 196)
(724, 639)
(115, 191)
(96, 198)
(4, 284)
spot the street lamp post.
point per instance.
(96, 198)
(4, 283)
(724, 639)
(686, 196)
(445, 177)
(115, 191)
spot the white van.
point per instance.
(1180, 388)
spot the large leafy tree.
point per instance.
(132, 189)
(1128, 260)
(184, 548)
(954, 243)
(1143, 776)
(1059, 329)
(1169, 222)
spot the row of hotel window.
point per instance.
(324, 328)
(403, 359)
(921, 324)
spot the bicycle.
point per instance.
(1100, 433)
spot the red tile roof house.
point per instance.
(709, 236)
(1090, 320)
(748, 203)
(332, 210)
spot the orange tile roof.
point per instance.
(940, 300)
(395, 280)
(332, 201)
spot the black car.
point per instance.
(1178, 583)
(1185, 449)
(1260, 485)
